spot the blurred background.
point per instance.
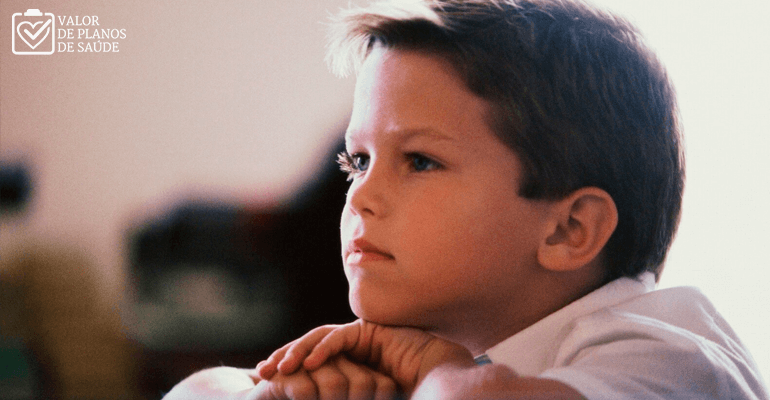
(174, 205)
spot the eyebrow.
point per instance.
(409, 133)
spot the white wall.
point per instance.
(223, 99)
(718, 55)
(232, 99)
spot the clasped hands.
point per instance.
(360, 360)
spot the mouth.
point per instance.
(360, 251)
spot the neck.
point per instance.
(481, 330)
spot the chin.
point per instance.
(373, 311)
(367, 312)
(381, 313)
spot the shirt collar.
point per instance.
(532, 351)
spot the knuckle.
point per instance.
(303, 390)
(323, 329)
(386, 385)
(362, 383)
(333, 382)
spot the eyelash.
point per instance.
(348, 164)
(351, 164)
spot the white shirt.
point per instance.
(628, 340)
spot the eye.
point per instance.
(360, 162)
(354, 164)
(420, 163)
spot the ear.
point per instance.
(579, 227)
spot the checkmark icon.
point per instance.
(34, 36)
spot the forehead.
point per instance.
(413, 92)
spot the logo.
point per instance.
(33, 32)
(37, 33)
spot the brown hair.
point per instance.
(574, 92)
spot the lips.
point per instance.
(360, 251)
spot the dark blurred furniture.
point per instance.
(225, 284)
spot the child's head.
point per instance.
(574, 92)
(471, 120)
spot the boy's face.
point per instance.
(434, 233)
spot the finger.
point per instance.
(262, 391)
(301, 387)
(297, 386)
(330, 382)
(341, 339)
(266, 369)
(386, 387)
(365, 383)
(361, 381)
(299, 349)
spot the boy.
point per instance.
(517, 176)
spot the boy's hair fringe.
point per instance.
(574, 92)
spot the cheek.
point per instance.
(444, 214)
(455, 231)
(437, 231)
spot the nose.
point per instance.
(368, 193)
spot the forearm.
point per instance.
(223, 383)
(488, 382)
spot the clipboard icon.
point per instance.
(33, 32)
